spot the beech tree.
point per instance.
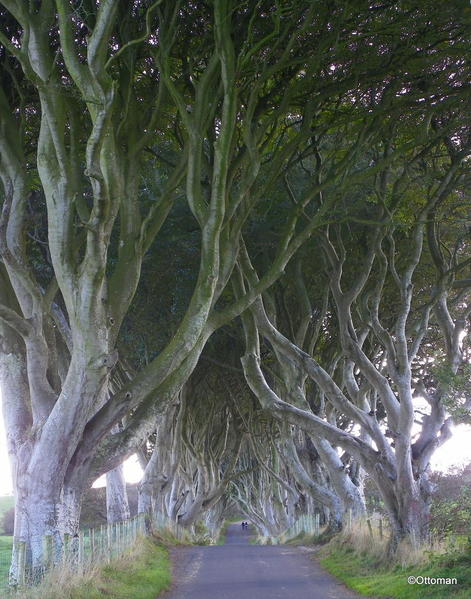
(223, 99)
(84, 106)
(191, 459)
(399, 296)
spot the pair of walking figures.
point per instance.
(245, 525)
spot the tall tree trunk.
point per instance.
(345, 488)
(322, 495)
(117, 505)
(151, 485)
(163, 463)
(17, 417)
(70, 508)
(409, 513)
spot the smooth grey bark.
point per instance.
(323, 496)
(72, 410)
(211, 445)
(69, 509)
(401, 468)
(117, 504)
(61, 415)
(344, 495)
(149, 485)
(161, 467)
(95, 306)
(351, 494)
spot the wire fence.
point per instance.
(377, 527)
(86, 549)
(375, 523)
(304, 525)
(309, 525)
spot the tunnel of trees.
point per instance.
(235, 240)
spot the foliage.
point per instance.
(221, 540)
(167, 280)
(201, 533)
(200, 528)
(451, 516)
(6, 503)
(450, 512)
(373, 501)
(173, 135)
(451, 503)
(456, 386)
(8, 521)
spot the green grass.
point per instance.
(141, 574)
(303, 538)
(363, 573)
(5, 555)
(141, 579)
(221, 540)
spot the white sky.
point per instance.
(132, 473)
(455, 452)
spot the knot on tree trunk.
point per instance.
(109, 360)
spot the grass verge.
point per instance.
(141, 574)
(6, 544)
(372, 576)
(222, 536)
(303, 538)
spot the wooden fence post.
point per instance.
(108, 536)
(116, 536)
(66, 548)
(102, 542)
(80, 550)
(48, 551)
(128, 532)
(370, 528)
(91, 535)
(21, 563)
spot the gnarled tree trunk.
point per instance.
(117, 504)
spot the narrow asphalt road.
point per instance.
(238, 570)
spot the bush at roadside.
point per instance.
(8, 521)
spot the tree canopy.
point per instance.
(297, 171)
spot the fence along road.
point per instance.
(238, 569)
(88, 548)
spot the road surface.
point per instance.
(238, 570)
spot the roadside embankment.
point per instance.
(141, 574)
(415, 572)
